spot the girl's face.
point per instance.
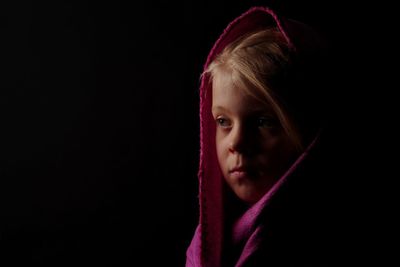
(252, 147)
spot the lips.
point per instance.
(239, 172)
(238, 169)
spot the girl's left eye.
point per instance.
(266, 122)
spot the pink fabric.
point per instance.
(206, 246)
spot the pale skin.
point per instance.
(253, 149)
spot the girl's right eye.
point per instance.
(222, 122)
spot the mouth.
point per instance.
(239, 172)
(238, 169)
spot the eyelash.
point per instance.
(261, 122)
(266, 122)
(220, 121)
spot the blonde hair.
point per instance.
(257, 62)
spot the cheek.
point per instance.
(222, 150)
(277, 151)
(269, 144)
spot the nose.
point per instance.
(238, 142)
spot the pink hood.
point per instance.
(207, 244)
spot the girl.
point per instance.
(260, 163)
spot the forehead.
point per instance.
(228, 95)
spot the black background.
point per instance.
(99, 125)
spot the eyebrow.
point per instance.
(215, 108)
(262, 111)
(256, 110)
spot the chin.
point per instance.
(248, 196)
